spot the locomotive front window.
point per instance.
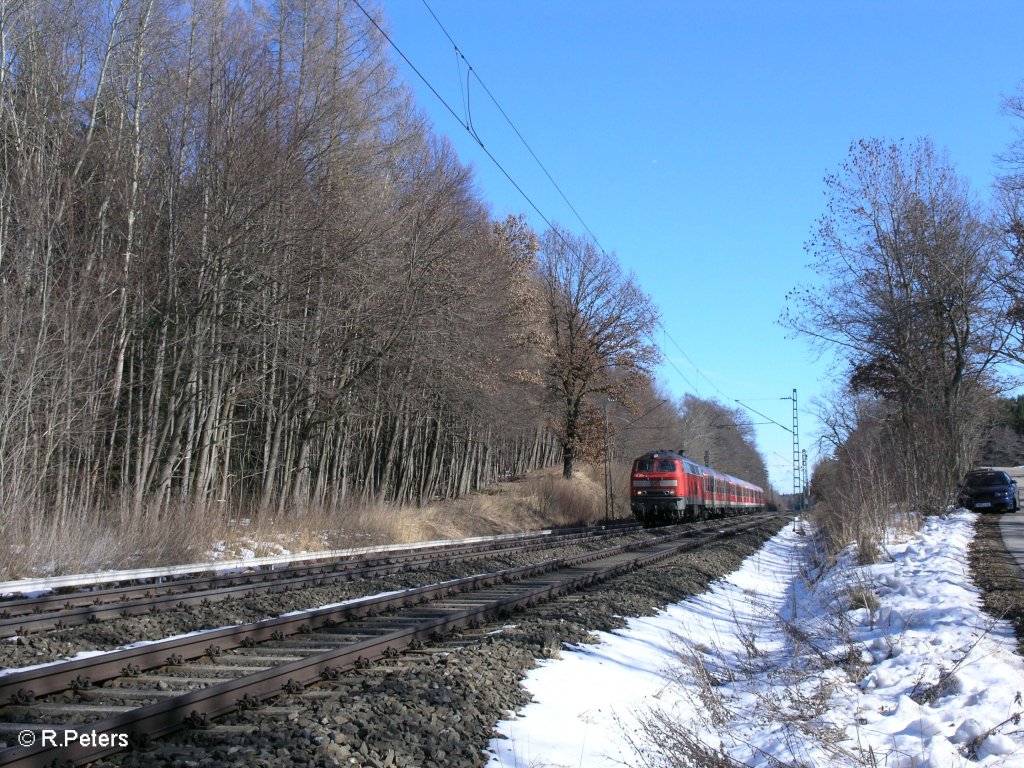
(666, 466)
(644, 466)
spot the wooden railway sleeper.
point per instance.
(141, 742)
(332, 569)
(507, 610)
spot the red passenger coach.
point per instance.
(667, 487)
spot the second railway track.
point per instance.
(21, 616)
(148, 691)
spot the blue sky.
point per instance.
(693, 139)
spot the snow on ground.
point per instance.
(891, 665)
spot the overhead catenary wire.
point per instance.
(465, 124)
(700, 373)
(671, 362)
(471, 72)
(771, 420)
(650, 410)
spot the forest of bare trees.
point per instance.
(235, 266)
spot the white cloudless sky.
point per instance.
(693, 139)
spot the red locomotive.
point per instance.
(667, 487)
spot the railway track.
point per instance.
(129, 697)
(61, 610)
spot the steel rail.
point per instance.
(72, 580)
(61, 676)
(196, 707)
(8, 589)
(90, 607)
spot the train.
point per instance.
(667, 487)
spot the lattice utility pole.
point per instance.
(797, 489)
(805, 499)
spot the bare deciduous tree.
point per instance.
(599, 323)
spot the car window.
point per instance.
(986, 479)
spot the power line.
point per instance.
(712, 383)
(672, 363)
(471, 71)
(650, 410)
(770, 419)
(471, 131)
(467, 124)
(695, 366)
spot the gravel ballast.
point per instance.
(45, 646)
(438, 706)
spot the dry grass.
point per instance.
(38, 543)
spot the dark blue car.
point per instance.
(988, 490)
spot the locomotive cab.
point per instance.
(664, 487)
